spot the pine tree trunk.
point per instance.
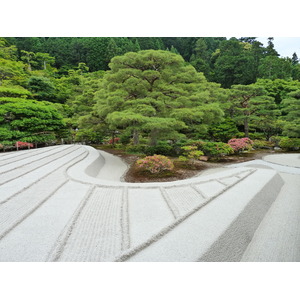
(246, 127)
(135, 137)
(153, 137)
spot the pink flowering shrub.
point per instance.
(240, 144)
(24, 145)
(155, 164)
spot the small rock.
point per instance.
(204, 158)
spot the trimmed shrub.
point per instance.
(289, 143)
(239, 145)
(276, 139)
(162, 148)
(136, 149)
(215, 149)
(191, 153)
(259, 144)
(155, 164)
(224, 131)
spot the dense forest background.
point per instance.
(233, 61)
(147, 91)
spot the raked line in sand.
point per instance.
(69, 203)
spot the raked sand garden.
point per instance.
(70, 203)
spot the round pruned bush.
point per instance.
(190, 154)
(242, 144)
(215, 149)
(155, 164)
(162, 148)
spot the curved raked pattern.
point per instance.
(102, 220)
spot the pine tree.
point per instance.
(295, 59)
(291, 109)
(155, 93)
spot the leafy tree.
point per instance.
(291, 111)
(11, 70)
(200, 59)
(156, 93)
(174, 50)
(112, 50)
(295, 59)
(28, 58)
(223, 131)
(7, 51)
(82, 68)
(270, 50)
(14, 92)
(28, 120)
(44, 59)
(251, 105)
(273, 67)
(234, 64)
(42, 88)
(278, 88)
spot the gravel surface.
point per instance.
(70, 203)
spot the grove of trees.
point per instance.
(149, 92)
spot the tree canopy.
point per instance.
(149, 91)
(155, 92)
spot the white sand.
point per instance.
(68, 203)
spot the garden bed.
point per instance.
(182, 170)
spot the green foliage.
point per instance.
(190, 154)
(11, 70)
(14, 92)
(252, 109)
(278, 88)
(28, 120)
(88, 136)
(273, 67)
(261, 144)
(125, 137)
(234, 65)
(214, 149)
(162, 148)
(224, 131)
(42, 88)
(291, 117)
(289, 143)
(155, 93)
(136, 149)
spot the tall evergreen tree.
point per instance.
(250, 106)
(291, 111)
(270, 49)
(156, 93)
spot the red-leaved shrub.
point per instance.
(24, 145)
